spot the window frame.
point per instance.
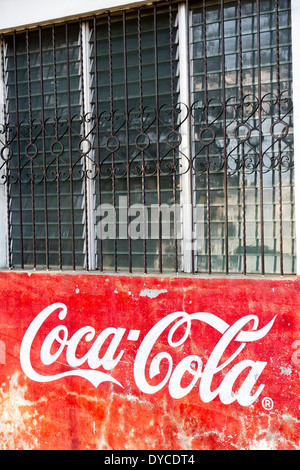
(188, 256)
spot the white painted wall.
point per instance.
(20, 13)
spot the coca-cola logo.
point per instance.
(97, 368)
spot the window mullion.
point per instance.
(185, 147)
(86, 148)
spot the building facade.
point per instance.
(148, 251)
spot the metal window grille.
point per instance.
(243, 155)
(185, 107)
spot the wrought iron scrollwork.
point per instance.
(36, 151)
(242, 135)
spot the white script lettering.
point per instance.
(224, 391)
(94, 376)
(178, 326)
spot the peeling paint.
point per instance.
(152, 293)
(15, 414)
(286, 370)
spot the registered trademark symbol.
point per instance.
(267, 403)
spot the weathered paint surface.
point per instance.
(72, 413)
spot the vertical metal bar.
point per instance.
(44, 149)
(189, 136)
(127, 136)
(157, 138)
(56, 140)
(142, 130)
(30, 143)
(97, 134)
(224, 136)
(279, 141)
(206, 125)
(70, 146)
(85, 197)
(111, 103)
(261, 178)
(7, 176)
(172, 89)
(18, 149)
(242, 143)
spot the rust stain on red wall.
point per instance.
(109, 367)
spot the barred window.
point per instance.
(154, 139)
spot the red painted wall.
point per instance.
(56, 405)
